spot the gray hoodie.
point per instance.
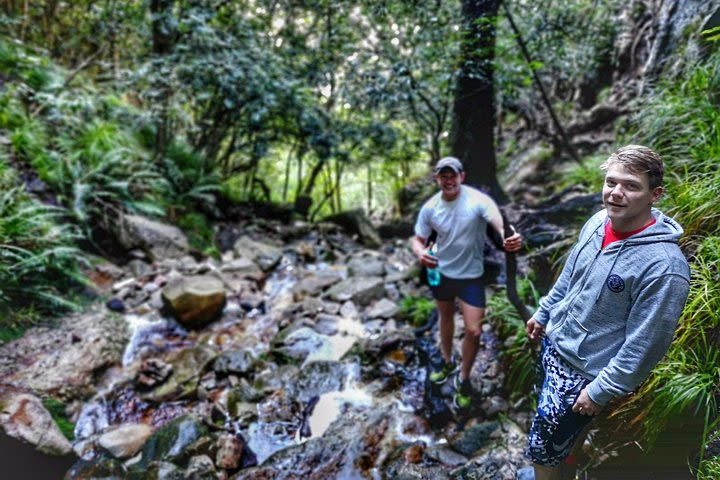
(612, 313)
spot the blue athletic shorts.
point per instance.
(469, 290)
(555, 426)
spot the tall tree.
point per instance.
(163, 39)
(473, 135)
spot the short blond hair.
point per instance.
(639, 159)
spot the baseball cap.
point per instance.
(449, 162)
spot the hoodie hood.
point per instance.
(665, 229)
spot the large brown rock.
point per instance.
(194, 301)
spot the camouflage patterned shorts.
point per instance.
(555, 426)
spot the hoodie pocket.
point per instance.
(568, 338)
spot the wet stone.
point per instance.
(229, 451)
(187, 367)
(299, 343)
(326, 324)
(360, 290)
(366, 266)
(158, 471)
(349, 310)
(416, 471)
(194, 301)
(315, 379)
(315, 285)
(275, 378)
(278, 407)
(494, 405)
(24, 417)
(98, 467)
(384, 308)
(266, 256)
(172, 443)
(474, 438)
(152, 372)
(201, 467)
(124, 441)
(447, 456)
(414, 453)
(395, 339)
(237, 361)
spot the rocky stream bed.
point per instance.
(285, 359)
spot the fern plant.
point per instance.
(187, 183)
(518, 353)
(38, 262)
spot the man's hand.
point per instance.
(513, 243)
(585, 406)
(428, 260)
(534, 329)
(422, 252)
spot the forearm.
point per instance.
(417, 245)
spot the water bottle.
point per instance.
(433, 274)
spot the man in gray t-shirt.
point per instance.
(459, 214)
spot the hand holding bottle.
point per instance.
(433, 272)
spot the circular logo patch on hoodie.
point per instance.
(615, 283)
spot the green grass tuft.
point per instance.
(57, 412)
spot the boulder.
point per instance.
(157, 239)
(124, 441)
(65, 361)
(315, 284)
(359, 290)
(384, 308)
(356, 222)
(187, 367)
(366, 266)
(24, 417)
(266, 256)
(194, 301)
(173, 443)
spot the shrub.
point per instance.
(416, 310)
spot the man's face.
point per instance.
(449, 182)
(628, 198)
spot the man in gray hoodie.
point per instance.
(612, 313)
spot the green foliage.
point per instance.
(416, 310)
(568, 41)
(200, 233)
(100, 173)
(38, 262)
(518, 353)
(680, 118)
(186, 182)
(586, 174)
(56, 408)
(711, 34)
(710, 469)
(29, 139)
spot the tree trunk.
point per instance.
(473, 139)
(163, 38)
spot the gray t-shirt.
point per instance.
(460, 225)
